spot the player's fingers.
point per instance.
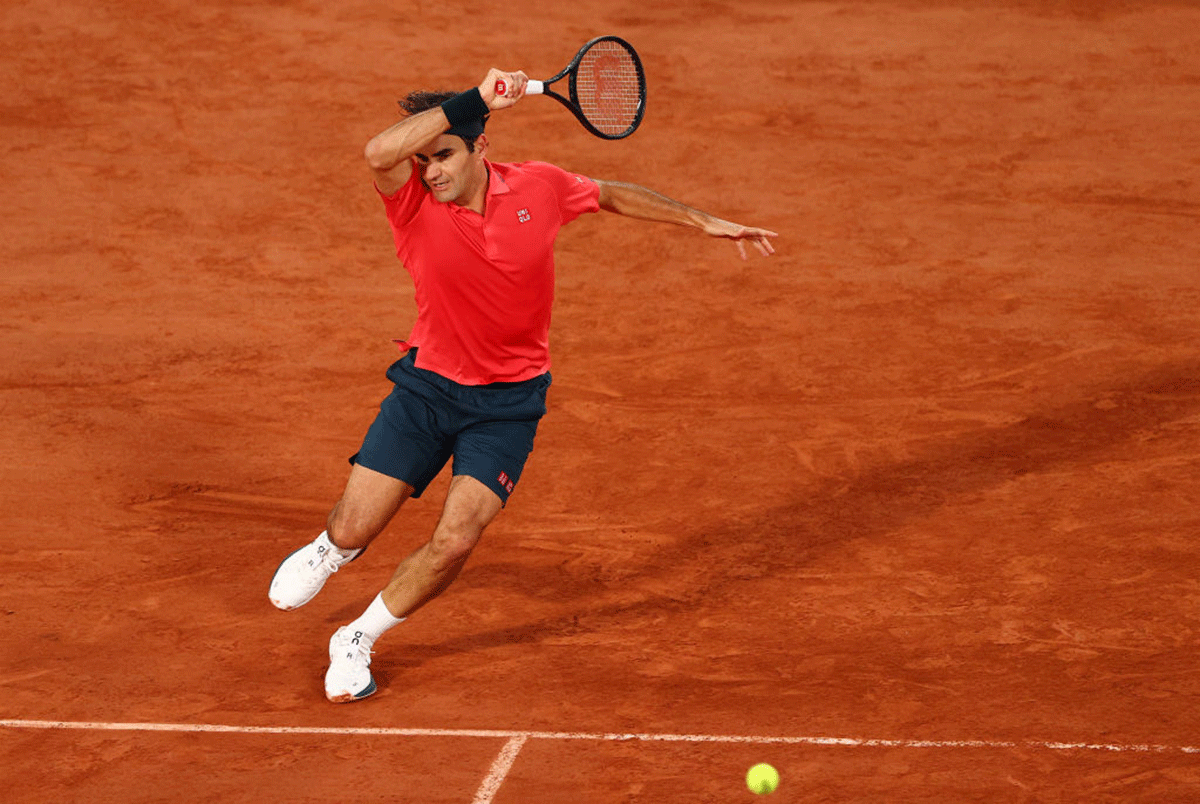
(741, 248)
(520, 81)
(500, 84)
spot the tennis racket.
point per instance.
(606, 87)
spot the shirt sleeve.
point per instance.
(402, 205)
(576, 193)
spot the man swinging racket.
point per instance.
(477, 238)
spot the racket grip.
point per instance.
(531, 87)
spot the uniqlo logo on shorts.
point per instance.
(523, 215)
(506, 482)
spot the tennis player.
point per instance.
(477, 237)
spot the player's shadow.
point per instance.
(878, 500)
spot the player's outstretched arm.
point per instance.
(389, 153)
(638, 202)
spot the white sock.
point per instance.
(375, 620)
(343, 554)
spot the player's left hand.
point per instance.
(740, 235)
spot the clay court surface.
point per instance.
(909, 510)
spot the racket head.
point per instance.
(608, 87)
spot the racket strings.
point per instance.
(608, 87)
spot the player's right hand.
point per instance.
(511, 88)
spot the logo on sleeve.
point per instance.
(523, 215)
(506, 482)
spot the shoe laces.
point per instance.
(327, 560)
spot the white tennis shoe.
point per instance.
(349, 676)
(302, 574)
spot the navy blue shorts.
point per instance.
(426, 419)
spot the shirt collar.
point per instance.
(496, 183)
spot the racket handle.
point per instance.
(531, 87)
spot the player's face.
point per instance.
(450, 171)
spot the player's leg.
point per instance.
(489, 456)
(401, 453)
(369, 502)
(367, 505)
(426, 573)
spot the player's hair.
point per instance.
(423, 101)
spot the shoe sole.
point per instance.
(347, 697)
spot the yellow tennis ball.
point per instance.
(762, 779)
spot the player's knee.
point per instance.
(452, 543)
(351, 529)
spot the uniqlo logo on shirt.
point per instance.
(506, 482)
(523, 215)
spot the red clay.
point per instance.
(929, 473)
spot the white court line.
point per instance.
(500, 768)
(853, 742)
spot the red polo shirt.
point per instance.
(485, 283)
